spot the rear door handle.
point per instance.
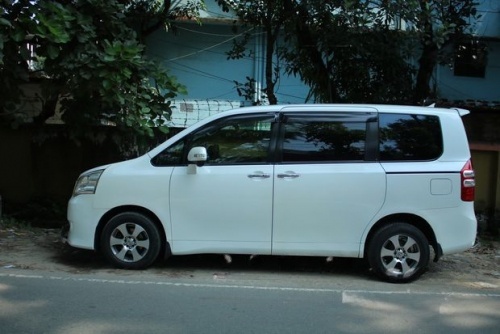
(288, 175)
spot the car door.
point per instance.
(225, 206)
(328, 184)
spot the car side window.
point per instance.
(171, 156)
(240, 140)
(321, 140)
(237, 140)
(409, 137)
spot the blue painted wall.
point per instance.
(196, 54)
(487, 30)
(488, 24)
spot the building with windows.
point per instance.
(475, 72)
(197, 55)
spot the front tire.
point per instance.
(398, 253)
(130, 240)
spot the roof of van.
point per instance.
(353, 108)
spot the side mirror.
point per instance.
(197, 155)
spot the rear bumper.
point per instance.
(455, 228)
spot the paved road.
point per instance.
(46, 288)
(237, 301)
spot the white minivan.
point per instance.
(380, 182)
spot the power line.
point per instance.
(198, 50)
(192, 70)
(208, 48)
(202, 73)
(208, 33)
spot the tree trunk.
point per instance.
(270, 41)
(321, 85)
(48, 109)
(427, 62)
(428, 58)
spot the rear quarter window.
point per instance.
(409, 137)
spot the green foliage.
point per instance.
(438, 25)
(347, 52)
(352, 51)
(343, 50)
(247, 90)
(90, 61)
(269, 17)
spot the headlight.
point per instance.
(87, 183)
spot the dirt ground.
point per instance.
(42, 249)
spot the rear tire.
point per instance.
(130, 240)
(398, 253)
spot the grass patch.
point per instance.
(39, 212)
(11, 222)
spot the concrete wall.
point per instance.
(36, 164)
(452, 87)
(483, 131)
(486, 161)
(196, 55)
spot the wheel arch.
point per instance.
(164, 247)
(411, 219)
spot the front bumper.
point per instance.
(83, 219)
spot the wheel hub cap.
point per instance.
(129, 242)
(400, 254)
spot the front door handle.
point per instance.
(259, 175)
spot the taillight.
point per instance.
(468, 182)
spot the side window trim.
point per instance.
(372, 140)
